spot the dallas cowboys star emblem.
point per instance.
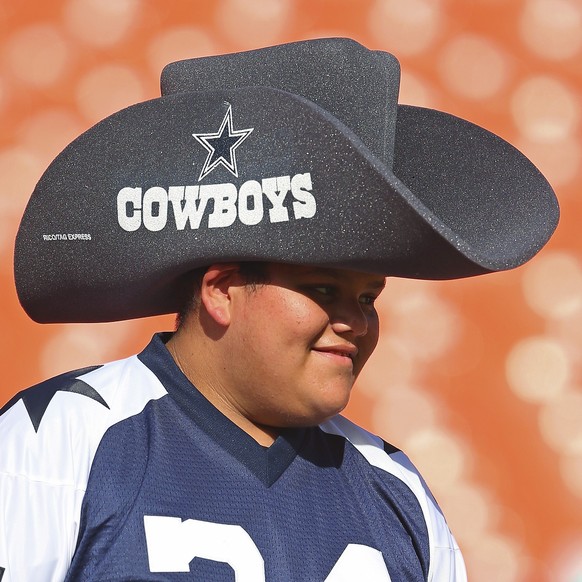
(221, 146)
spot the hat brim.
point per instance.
(459, 202)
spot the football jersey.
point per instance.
(126, 472)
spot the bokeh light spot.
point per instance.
(495, 558)
(405, 28)
(552, 285)
(101, 23)
(403, 411)
(552, 28)
(561, 423)
(422, 323)
(440, 455)
(474, 67)
(545, 110)
(37, 55)
(390, 365)
(107, 89)
(537, 369)
(267, 19)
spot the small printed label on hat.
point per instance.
(276, 199)
(76, 236)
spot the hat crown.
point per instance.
(357, 86)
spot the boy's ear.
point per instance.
(216, 291)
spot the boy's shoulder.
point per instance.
(51, 430)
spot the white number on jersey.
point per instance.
(172, 544)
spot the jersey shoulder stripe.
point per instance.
(445, 556)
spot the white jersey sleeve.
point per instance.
(48, 438)
(41, 491)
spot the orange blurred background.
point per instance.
(479, 381)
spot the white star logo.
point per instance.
(221, 146)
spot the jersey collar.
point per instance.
(266, 463)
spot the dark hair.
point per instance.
(254, 273)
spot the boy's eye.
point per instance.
(368, 300)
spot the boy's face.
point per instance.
(299, 341)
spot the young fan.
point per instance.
(265, 197)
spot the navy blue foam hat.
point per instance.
(298, 153)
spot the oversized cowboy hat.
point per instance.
(297, 153)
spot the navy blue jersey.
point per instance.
(126, 472)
